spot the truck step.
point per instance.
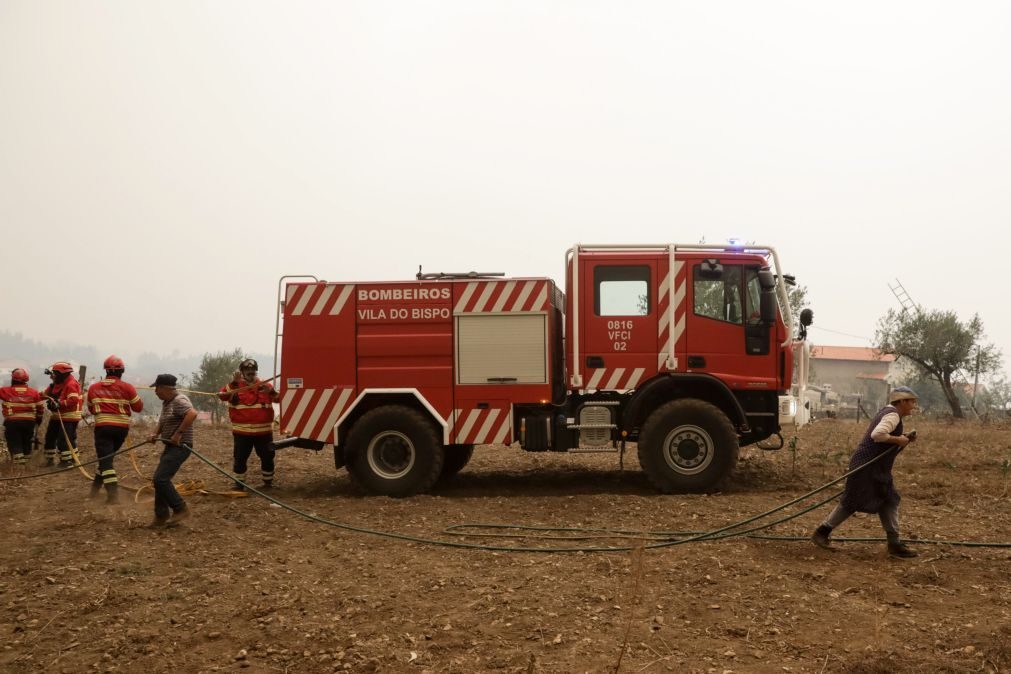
(593, 450)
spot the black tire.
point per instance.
(687, 445)
(338, 457)
(457, 456)
(394, 451)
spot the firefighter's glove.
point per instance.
(52, 405)
(235, 398)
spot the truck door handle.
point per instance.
(696, 361)
(501, 380)
(594, 361)
(482, 406)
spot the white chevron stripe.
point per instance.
(465, 297)
(595, 379)
(679, 295)
(664, 287)
(679, 329)
(289, 292)
(317, 410)
(500, 302)
(307, 293)
(615, 379)
(326, 432)
(488, 289)
(469, 420)
(661, 360)
(633, 381)
(528, 287)
(503, 432)
(341, 300)
(542, 298)
(293, 424)
(286, 398)
(662, 324)
(482, 434)
(317, 308)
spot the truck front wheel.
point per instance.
(394, 451)
(457, 456)
(687, 445)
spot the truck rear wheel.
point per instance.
(457, 456)
(687, 445)
(394, 451)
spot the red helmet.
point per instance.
(62, 367)
(19, 375)
(114, 363)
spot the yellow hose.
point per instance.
(187, 488)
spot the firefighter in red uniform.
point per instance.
(64, 400)
(22, 411)
(251, 411)
(112, 401)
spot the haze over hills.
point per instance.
(17, 350)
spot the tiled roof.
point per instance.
(861, 353)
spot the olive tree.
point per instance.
(215, 371)
(940, 345)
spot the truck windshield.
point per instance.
(719, 296)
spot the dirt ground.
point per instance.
(247, 585)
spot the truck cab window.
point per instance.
(621, 290)
(719, 296)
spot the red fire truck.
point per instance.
(682, 349)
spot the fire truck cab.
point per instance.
(682, 349)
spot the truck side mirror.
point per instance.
(767, 305)
(766, 279)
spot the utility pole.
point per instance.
(975, 382)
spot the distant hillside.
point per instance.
(15, 346)
(38, 355)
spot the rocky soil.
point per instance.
(247, 585)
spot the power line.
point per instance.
(857, 337)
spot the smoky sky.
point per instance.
(162, 164)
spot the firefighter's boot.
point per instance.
(96, 489)
(112, 494)
(820, 537)
(897, 548)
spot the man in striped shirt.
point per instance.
(112, 401)
(175, 429)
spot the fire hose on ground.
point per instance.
(657, 539)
